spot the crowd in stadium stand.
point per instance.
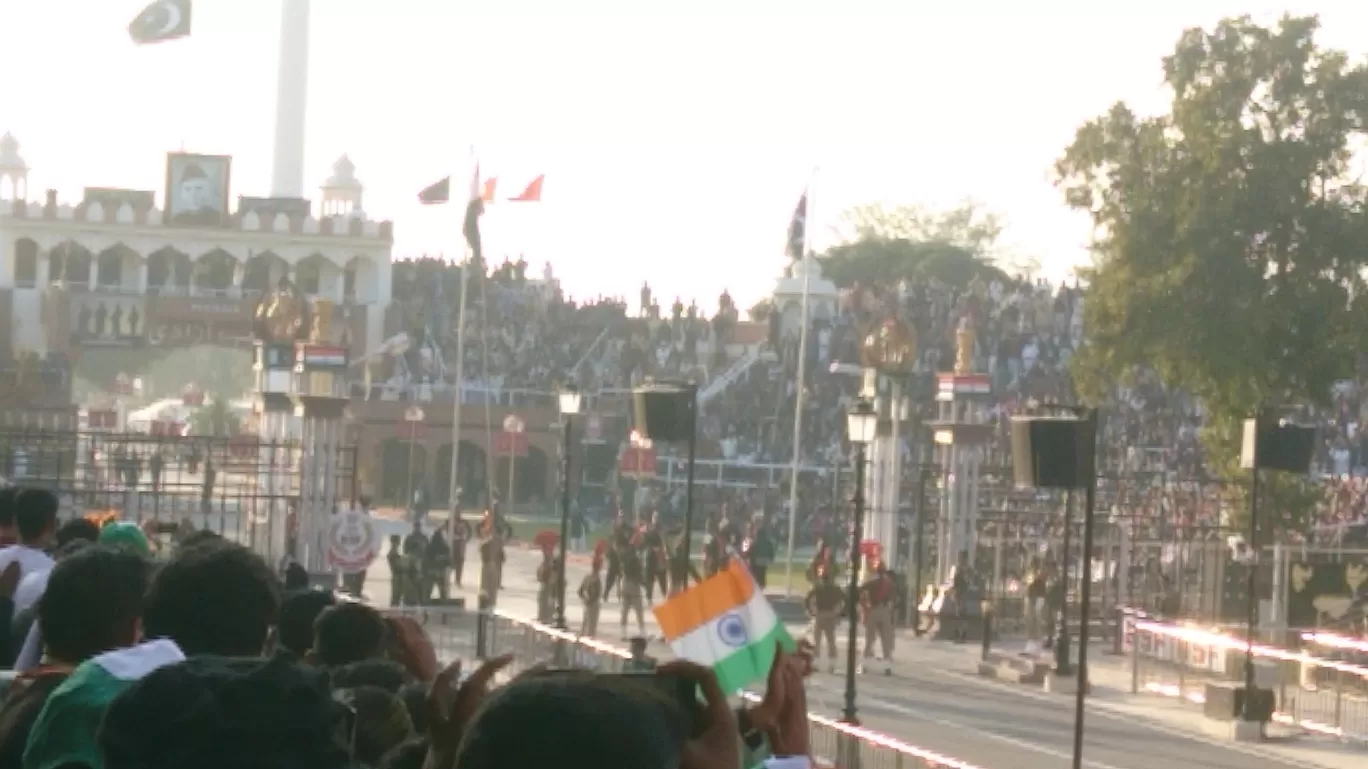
(533, 337)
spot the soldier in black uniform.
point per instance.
(620, 544)
(825, 604)
(681, 567)
(653, 544)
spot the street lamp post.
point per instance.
(861, 425)
(1063, 663)
(569, 408)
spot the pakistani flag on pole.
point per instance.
(725, 622)
(160, 21)
(797, 233)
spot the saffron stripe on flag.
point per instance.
(725, 591)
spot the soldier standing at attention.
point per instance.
(591, 593)
(876, 598)
(631, 589)
(825, 604)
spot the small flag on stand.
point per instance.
(160, 21)
(797, 232)
(725, 622)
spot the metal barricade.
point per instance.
(1317, 694)
(455, 632)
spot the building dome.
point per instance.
(10, 160)
(343, 176)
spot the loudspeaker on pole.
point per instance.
(1277, 445)
(665, 411)
(1053, 452)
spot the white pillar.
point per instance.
(292, 88)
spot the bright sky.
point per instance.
(675, 137)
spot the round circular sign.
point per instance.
(352, 541)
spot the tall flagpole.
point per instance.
(292, 87)
(453, 497)
(800, 395)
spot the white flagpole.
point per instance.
(459, 385)
(799, 396)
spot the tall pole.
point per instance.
(919, 554)
(565, 524)
(800, 395)
(848, 715)
(1062, 664)
(1081, 692)
(1253, 602)
(292, 90)
(458, 386)
(692, 391)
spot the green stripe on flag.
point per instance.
(751, 663)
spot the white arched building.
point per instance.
(114, 250)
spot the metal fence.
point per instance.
(455, 632)
(1319, 694)
(237, 486)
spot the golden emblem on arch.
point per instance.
(890, 347)
(282, 316)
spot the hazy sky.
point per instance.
(675, 137)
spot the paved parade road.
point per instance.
(936, 702)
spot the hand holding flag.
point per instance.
(160, 21)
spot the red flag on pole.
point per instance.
(533, 192)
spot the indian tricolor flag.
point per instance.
(726, 622)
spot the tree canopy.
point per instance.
(885, 245)
(1229, 232)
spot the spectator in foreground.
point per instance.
(347, 633)
(214, 597)
(35, 517)
(219, 713)
(91, 637)
(298, 612)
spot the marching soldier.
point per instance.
(681, 567)
(415, 546)
(876, 599)
(1035, 604)
(630, 591)
(395, 559)
(825, 603)
(545, 578)
(618, 545)
(460, 535)
(653, 543)
(491, 561)
(436, 567)
(591, 593)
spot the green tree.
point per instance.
(760, 311)
(885, 245)
(215, 418)
(1229, 249)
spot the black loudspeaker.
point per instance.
(665, 412)
(1053, 452)
(1278, 446)
(599, 461)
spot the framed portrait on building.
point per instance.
(197, 189)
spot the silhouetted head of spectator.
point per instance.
(219, 713)
(348, 632)
(35, 516)
(200, 537)
(296, 577)
(78, 529)
(410, 755)
(93, 603)
(213, 598)
(415, 698)
(582, 720)
(382, 674)
(298, 612)
(381, 722)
